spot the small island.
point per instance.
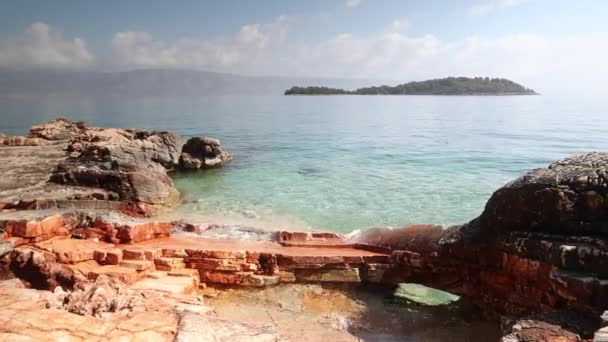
(441, 86)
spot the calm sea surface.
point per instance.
(348, 162)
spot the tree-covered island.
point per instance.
(441, 86)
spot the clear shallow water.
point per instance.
(349, 162)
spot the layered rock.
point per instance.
(539, 245)
(125, 168)
(202, 153)
(130, 163)
(566, 198)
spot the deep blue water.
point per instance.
(349, 162)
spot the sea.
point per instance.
(346, 163)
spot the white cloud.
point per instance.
(353, 3)
(538, 61)
(43, 46)
(534, 60)
(400, 24)
(140, 49)
(490, 6)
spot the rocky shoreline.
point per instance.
(77, 207)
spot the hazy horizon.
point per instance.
(552, 46)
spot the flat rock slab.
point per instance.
(178, 243)
(23, 317)
(424, 295)
(168, 284)
(25, 173)
(193, 327)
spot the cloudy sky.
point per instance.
(534, 42)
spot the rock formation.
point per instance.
(101, 168)
(539, 245)
(202, 153)
(132, 164)
(536, 256)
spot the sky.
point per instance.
(534, 42)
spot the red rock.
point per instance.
(220, 277)
(216, 254)
(141, 253)
(205, 263)
(113, 256)
(186, 272)
(144, 231)
(287, 277)
(138, 265)
(250, 267)
(350, 275)
(169, 264)
(260, 280)
(17, 241)
(174, 253)
(37, 230)
(124, 274)
(293, 260)
(252, 257)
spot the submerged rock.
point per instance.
(424, 295)
(202, 153)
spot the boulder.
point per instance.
(202, 153)
(131, 163)
(126, 167)
(567, 197)
(540, 244)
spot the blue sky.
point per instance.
(530, 40)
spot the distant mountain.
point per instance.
(149, 83)
(441, 86)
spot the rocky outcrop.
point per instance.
(48, 133)
(58, 129)
(125, 168)
(129, 163)
(202, 153)
(567, 198)
(539, 245)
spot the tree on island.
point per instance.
(441, 86)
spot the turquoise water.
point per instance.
(349, 162)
